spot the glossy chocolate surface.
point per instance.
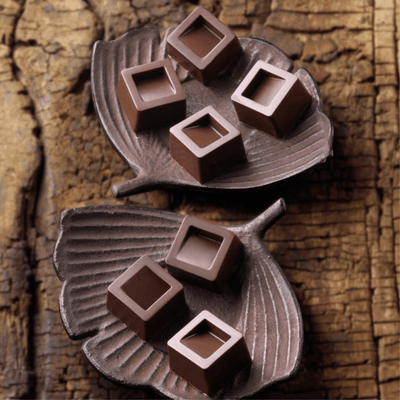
(203, 45)
(270, 159)
(208, 353)
(200, 38)
(145, 298)
(204, 253)
(205, 339)
(264, 308)
(270, 99)
(206, 144)
(151, 95)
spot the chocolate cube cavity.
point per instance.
(151, 95)
(208, 353)
(204, 253)
(270, 99)
(203, 45)
(145, 297)
(206, 144)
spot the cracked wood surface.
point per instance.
(338, 243)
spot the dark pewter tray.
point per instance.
(269, 159)
(97, 244)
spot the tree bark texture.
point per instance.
(338, 243)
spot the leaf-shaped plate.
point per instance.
(97, 244)
(269, 159)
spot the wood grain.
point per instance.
(338, 243)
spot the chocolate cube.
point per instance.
(151, 95)
(145, 297)
(208, 353)
(206, 144)
(270, 99)
(204, 253)
(203, 45)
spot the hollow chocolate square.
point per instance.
(206, 144)
(208, 353)
(151, 95)
(270, 99)
(145, 297)
(204, 253)
(203, 45)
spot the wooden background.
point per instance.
(338, 243)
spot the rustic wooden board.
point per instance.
(338, 243)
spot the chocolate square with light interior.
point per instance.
(208, 353)
(206, 144)
(145, 298)
(270, 99)
(151, 95)
(204, 253)
(203, 45)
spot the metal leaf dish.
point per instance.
(269, 159)
(97, 244)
